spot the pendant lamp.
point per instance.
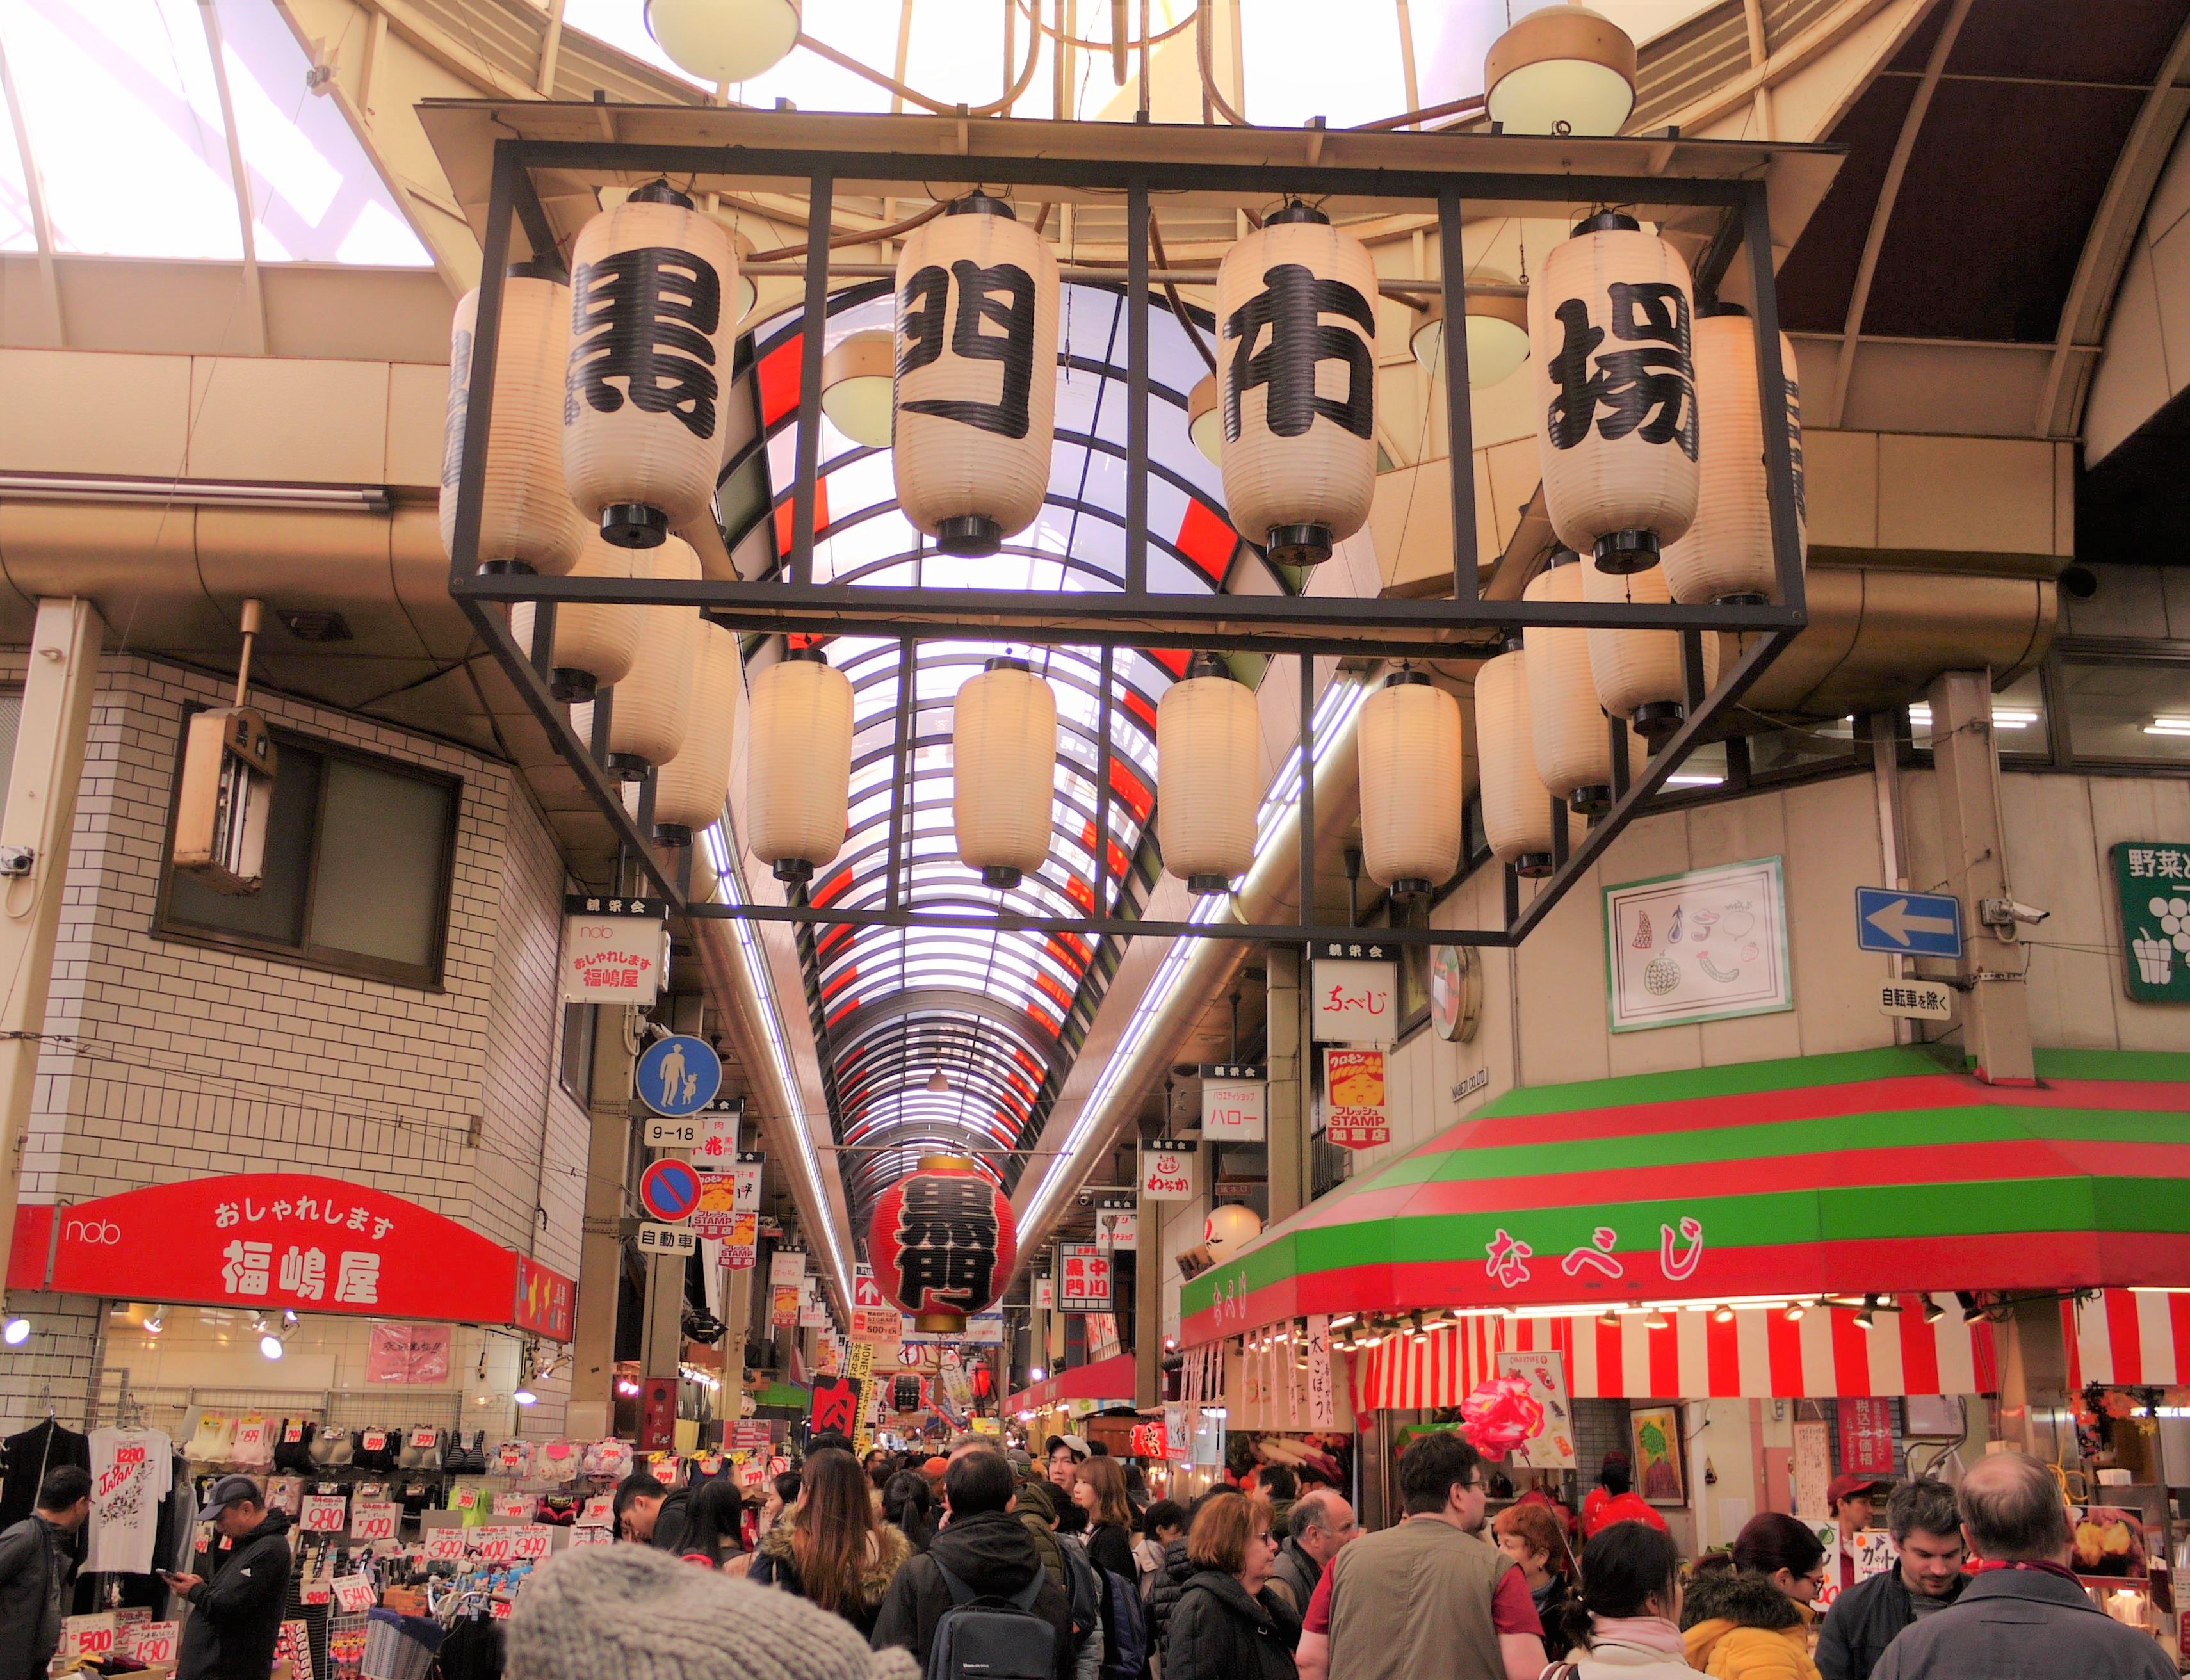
(976, 298)
(856, 382)
(1727, 554)
(1637, 673)
(721, 40)
(1410, 736)
(524, 515)
(1497, 334)
(654, 288)
(1208, 776)
(1003, 771)
(1563, 69)
(1205, 419)
(1573, 743)
(798, 764)
(652, 710)
(1609, 321)
(1517, 806)
(691, 789)
(1297, 364)
(595, 644)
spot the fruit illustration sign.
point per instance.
(2152, 882)
(1702, 946)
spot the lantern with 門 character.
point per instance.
(942, 1243)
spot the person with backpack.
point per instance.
(1100, 1491)
(1066, 1560)
(1229, 1625)
(979, 1602)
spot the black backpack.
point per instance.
(985, 1637)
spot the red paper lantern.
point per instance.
(942, 1243)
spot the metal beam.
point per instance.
(34, 189)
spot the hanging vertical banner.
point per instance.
(813, 1305)
(860, 1368)
(1045, 1295)
(1167, 1171)
(745, 1176)
(783, 1306)
(1355, 1116)
(613, 949)
(1322, 1392)
(1355, 992)
(1234, 1103)
(1867, 1438)
(716, 1211)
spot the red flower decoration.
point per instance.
(1499, 1415)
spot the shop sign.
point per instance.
(1322, 1388)
(1552, 1446)
(741, 1244)
(1705, 945)
(614, 950)
(2152, 882)
(1102, 1336)
(835, 1405)
(1916, 1000)
(325, 1513)
(1045, 1295)
(1117, 1229)
(666, 1240)
(787, 1265)
(749, 1435)
(877, 1325)
(1177, 1434)
(718, 1211)
(1234, 1103)
(983, 1329)
(412, 1354)
(1085, 1277)
(1354, 1114)
(813, 1308)
(547, 1301)
(1354, 988)
(783, 1306)
(1866, 1437)
(1167, 1171)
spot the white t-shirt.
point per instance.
(132, 1472)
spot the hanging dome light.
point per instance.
(938, 1086)
(721, 40)
(1573, 743)
(524, 512)
(977, 295)
(856, 381)
(1727, 554)
(1205, 420)
(691, 789)
(652, 708)
(1300, 465)
(1410, 735)
(1497, 334)
(1609, 319)
(594, 644)
(1517, 806)
(798, 764)
(1003, 771)
(1563, 69)
(654, 284)
(1638, 674)
(1209, 782)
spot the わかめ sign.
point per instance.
(615, 950)
(1354, 1114)
(1085, 1279)
(1355, 992)
(1167, 1171)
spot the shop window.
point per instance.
(359, 855)
(2126, 711)
(1801, 749)
(2018, 719)
(575, 1068)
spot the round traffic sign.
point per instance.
(669, 1189)
(678, 1075)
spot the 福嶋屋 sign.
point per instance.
(1167, 1169)
(1705, 945)
(678, 1075)
(1083, 1278)
(2151, 894)
(615, 950)
(1234, 1102)
(1354, 994)
(1354, 1112)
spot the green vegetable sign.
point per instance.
(2153, 879)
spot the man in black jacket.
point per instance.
(35, 1571)
(1321, 1523)
(984, 1547)
(653, 1515)
(1922, 1518)
(237, 1620)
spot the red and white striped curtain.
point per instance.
(2128, 1338)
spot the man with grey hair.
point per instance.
(1321, 1522)
(2025, 1613)
(1927, 1528)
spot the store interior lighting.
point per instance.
(155, 1323)
(526, 1397)
(2003, 716)
(1868, 1316)
(1934, 1312)
(2165, 725)
(16, 1332)
(271, 1346)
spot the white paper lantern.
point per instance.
(654, 288)
(977, 297)
(1637, 673)
(1727, 554)
(594, 645)
(798, 764)
(1208, 776)
(1230, 1226)
(1517, 806)
(652, 708)
(689, 790)
(524, 512)
(1003, 771)
(1573, 746)
(1296, 326)
(1410, 752)
(1610, 317)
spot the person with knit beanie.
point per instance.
(629, 1613)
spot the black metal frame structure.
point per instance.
(793, 604)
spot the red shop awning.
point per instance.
(1110, 1379)
(286, 1239)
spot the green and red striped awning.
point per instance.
(1874, 1172)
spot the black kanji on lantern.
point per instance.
(1002, 297)
(946, 1235)
(1650, 390)
(1290, 304)
(645, 316)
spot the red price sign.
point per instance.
(155, 1642)
(502, 1609)
(369, 1522)
(444, 1546)
(87, 1636)
(324, 1514)
(354, 1595)
(533, 1543)
(316, 1591)
(493, 1544)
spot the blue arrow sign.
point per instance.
(679, 1076)
(1909, 924)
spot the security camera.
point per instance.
(2005, 913)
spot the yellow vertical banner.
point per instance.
(862, 1375)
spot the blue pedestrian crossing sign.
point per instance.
(678, 1075)
(1908, 924)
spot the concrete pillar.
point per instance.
(1148, 1311)
(40, 811)
(591, 1411)
(1995, 1017)
(1288, 1094)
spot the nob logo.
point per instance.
(97, 1233)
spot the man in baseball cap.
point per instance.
(238, 1622)
(1849, 1498)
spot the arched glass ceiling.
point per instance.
(999, 1015)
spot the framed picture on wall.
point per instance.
(1655, 1434)
(1705, 945)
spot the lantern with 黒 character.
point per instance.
(942, 1243)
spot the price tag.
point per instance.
(467, 1498)
(533, 1543)
(502, 1609)
(376, 1521)
(515, 1505)
(154, 1642)
(324, 1514)
(354, 1595)
(492, 1545)
(599, 1512)
(444, 1546)
(591, 1537)
(424, 1437)
(88, 1636)
(315, 1591)
(373, 1439)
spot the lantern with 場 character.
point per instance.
(942, 1243)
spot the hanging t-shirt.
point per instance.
(132, 1470)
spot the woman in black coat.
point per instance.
(1227, 1626)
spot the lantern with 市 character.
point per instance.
(942, 1243)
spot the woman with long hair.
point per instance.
(1099, 1488)
(710, 1526)
(1624, 1622)
(1748, 1613)
(832, 1549)
(907, 1501)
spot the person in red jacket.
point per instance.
(1614, 1498)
